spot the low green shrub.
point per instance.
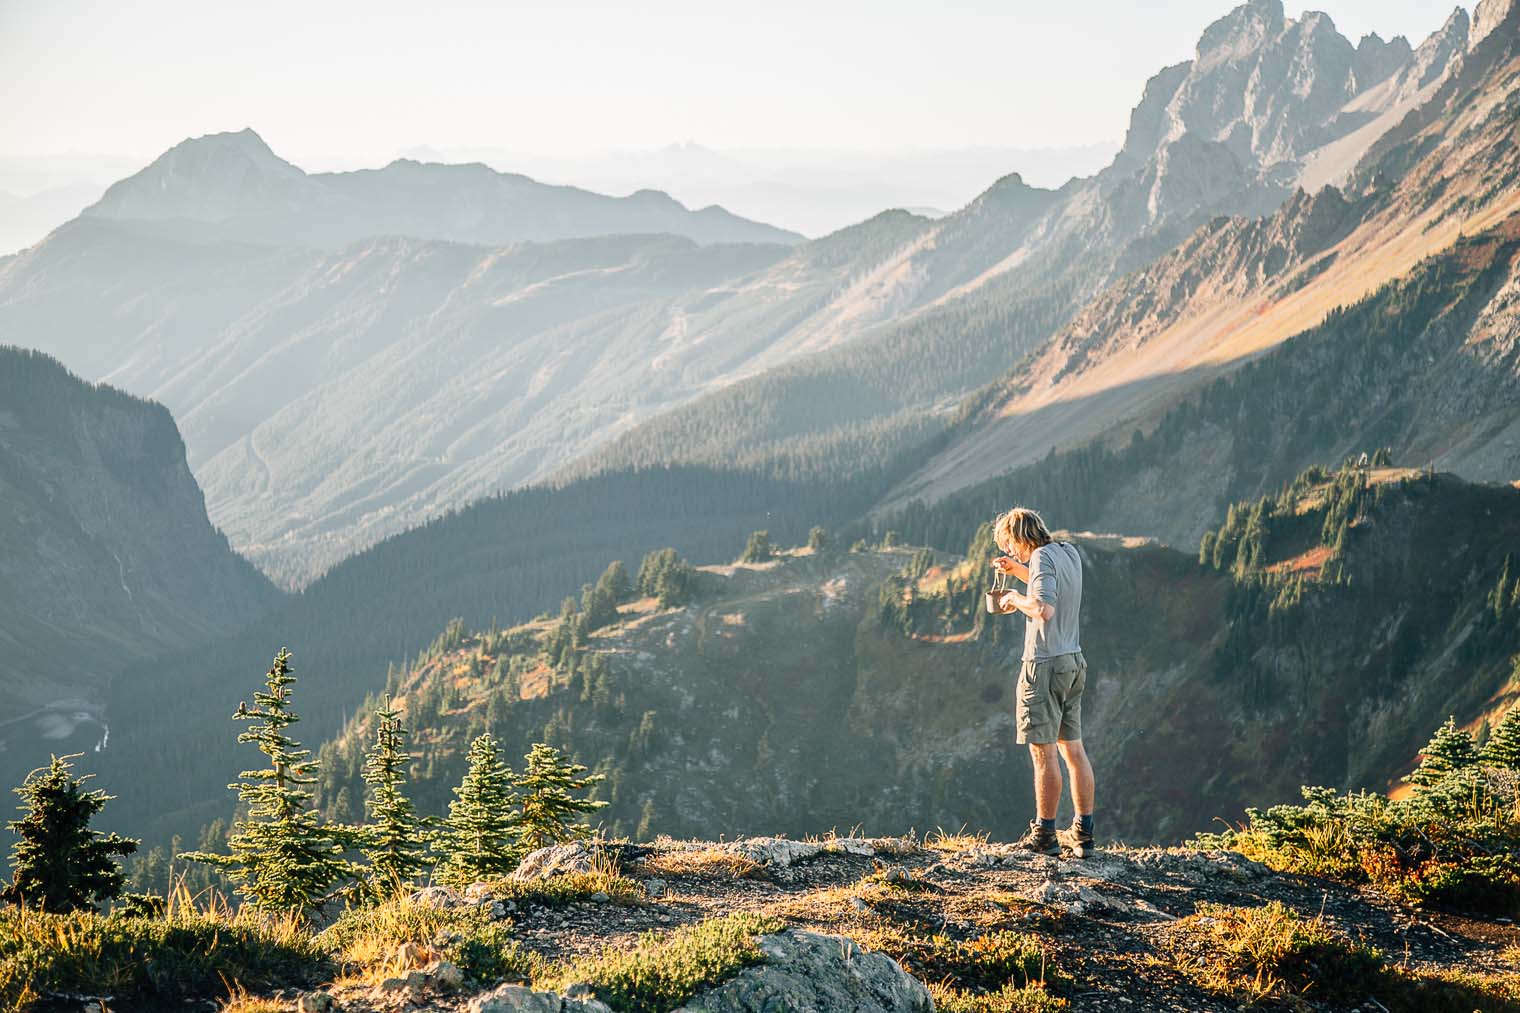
(661, 973)
(1454, 843)
(185, 950)
(569, 888)
(1273, 956)
(369, 938)
(1008, 999)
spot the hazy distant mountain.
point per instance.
(234, 182)
(815, 192)
(25, 220)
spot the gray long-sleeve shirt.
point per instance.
(1055, 578)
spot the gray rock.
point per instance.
(655, 887)
(809, 971)
(521, 999)
(446, 975)
(314, 1002)
(573, 856)
(437, 896)
(774, 852)
(1076, 899)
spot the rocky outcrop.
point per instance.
(557, 859)
(800, 971)
(810, 971)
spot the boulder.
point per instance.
(810, 971)
(314, 1002)
(774, 852)
(572, 856)
(437, 896)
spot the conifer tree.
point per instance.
(60, 864)
(616, 582)
(758, 548)
(818, 539)
(1450, 749)
(548, 805)
(479, 838)
(1503, 746)
(666, 576)
(1498, 598)
(598, 607)
(283, 857)
(394, 841)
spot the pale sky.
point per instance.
(359, 81)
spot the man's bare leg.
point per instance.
(1047, 779)
(1082, 788)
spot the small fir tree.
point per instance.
(616, 582)
(598, 607)
(549, 805)
(818, 539)
(479, 838)
(283, 857)
(666, 576)
(395, 846)
(1450, 749)
(1503, 746)
(60, 864)
(758, 549)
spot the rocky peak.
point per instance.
(1487, 16)
(1240, 33)
(1377, 60)
(209, 178)
(1436, 55)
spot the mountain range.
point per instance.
(1191, 328)
(351, 353)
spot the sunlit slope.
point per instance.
(1239, 287)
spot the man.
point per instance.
(1051, 676)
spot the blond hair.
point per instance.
(1021, 526)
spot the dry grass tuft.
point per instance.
(952, 843)
(716, 862)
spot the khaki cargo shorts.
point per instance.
(1050, 698)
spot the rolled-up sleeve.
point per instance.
(1042, 578)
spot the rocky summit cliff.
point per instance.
(958, 924)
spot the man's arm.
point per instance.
(1013, 601)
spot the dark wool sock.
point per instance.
(1084, 823)
(1049, 825)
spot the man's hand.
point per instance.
(1010, 566)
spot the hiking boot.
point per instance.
(1075, 843)
(1039, 840)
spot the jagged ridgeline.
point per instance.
(1372, 374)
(829, 688)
